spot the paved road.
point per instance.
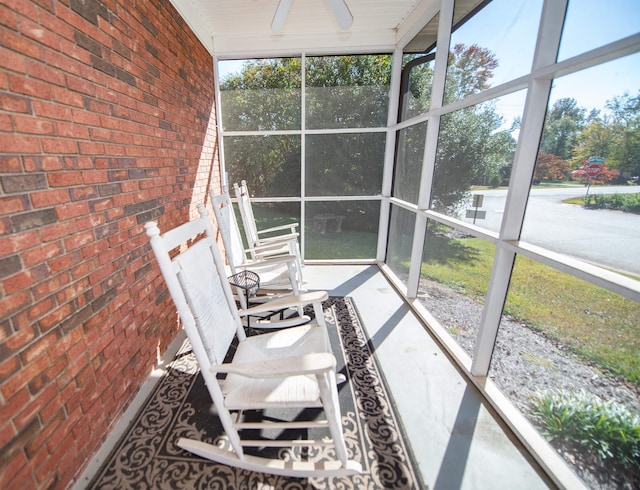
(609, 238)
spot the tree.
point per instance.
(597, 138)
(549, 167)
(347, 91)
(468, 143)
(470, 146)
(264, 96)
(417, 79)
(352, 92)
(341, 91)
(469, 71)
(563, 123)
(270, 164)
(501, 149)
(625, 125)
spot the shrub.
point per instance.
(629, 203)
(604, 428)
(495, 181)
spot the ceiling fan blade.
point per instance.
(342, 13)
(280, 16)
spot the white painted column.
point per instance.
(535, 109)
(431, 144)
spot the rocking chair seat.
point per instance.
(274, 350)
(273, 272)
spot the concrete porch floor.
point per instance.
(456, 439)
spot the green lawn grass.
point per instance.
(345, 245)
(348, 244)
(601, 326)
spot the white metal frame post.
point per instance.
(389, 155)
(303, 151)
(431, 144)
(548, 42)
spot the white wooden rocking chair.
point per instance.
(240, 258)
(292, 367)
(280, 275)
(284, 235)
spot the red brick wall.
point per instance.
(106, 121)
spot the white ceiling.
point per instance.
(242, 28)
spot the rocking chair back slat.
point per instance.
(246, 211)
(205, 295)
(229, 231)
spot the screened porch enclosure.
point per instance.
(328, 176)
(457, 162)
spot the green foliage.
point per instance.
(629, 203)
(495, 181)
(352, 92)
(470, 147)
(604, 428)
(344, 164)
(341, 92)
(614, 135)
(264, 96)
(625, 111)
(469, 139)
(269, 164)
(417, 99)
(409, 158)
(469, 71)
(347, 91)
(563, 123)
(595, 139)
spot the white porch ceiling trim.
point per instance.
(312, 43)
(242, 28)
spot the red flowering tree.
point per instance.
(549, 167)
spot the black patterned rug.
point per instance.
(147, 456)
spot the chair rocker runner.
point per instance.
(279, 276)
(292, 367)
(285, 235)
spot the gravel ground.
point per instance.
(525, 361)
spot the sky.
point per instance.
(229, 66)
(509, 28)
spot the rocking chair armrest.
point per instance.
(269, 246)
(268, 262)
(278, 228)
(321, 362)
(285, 302)
(268, 240)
